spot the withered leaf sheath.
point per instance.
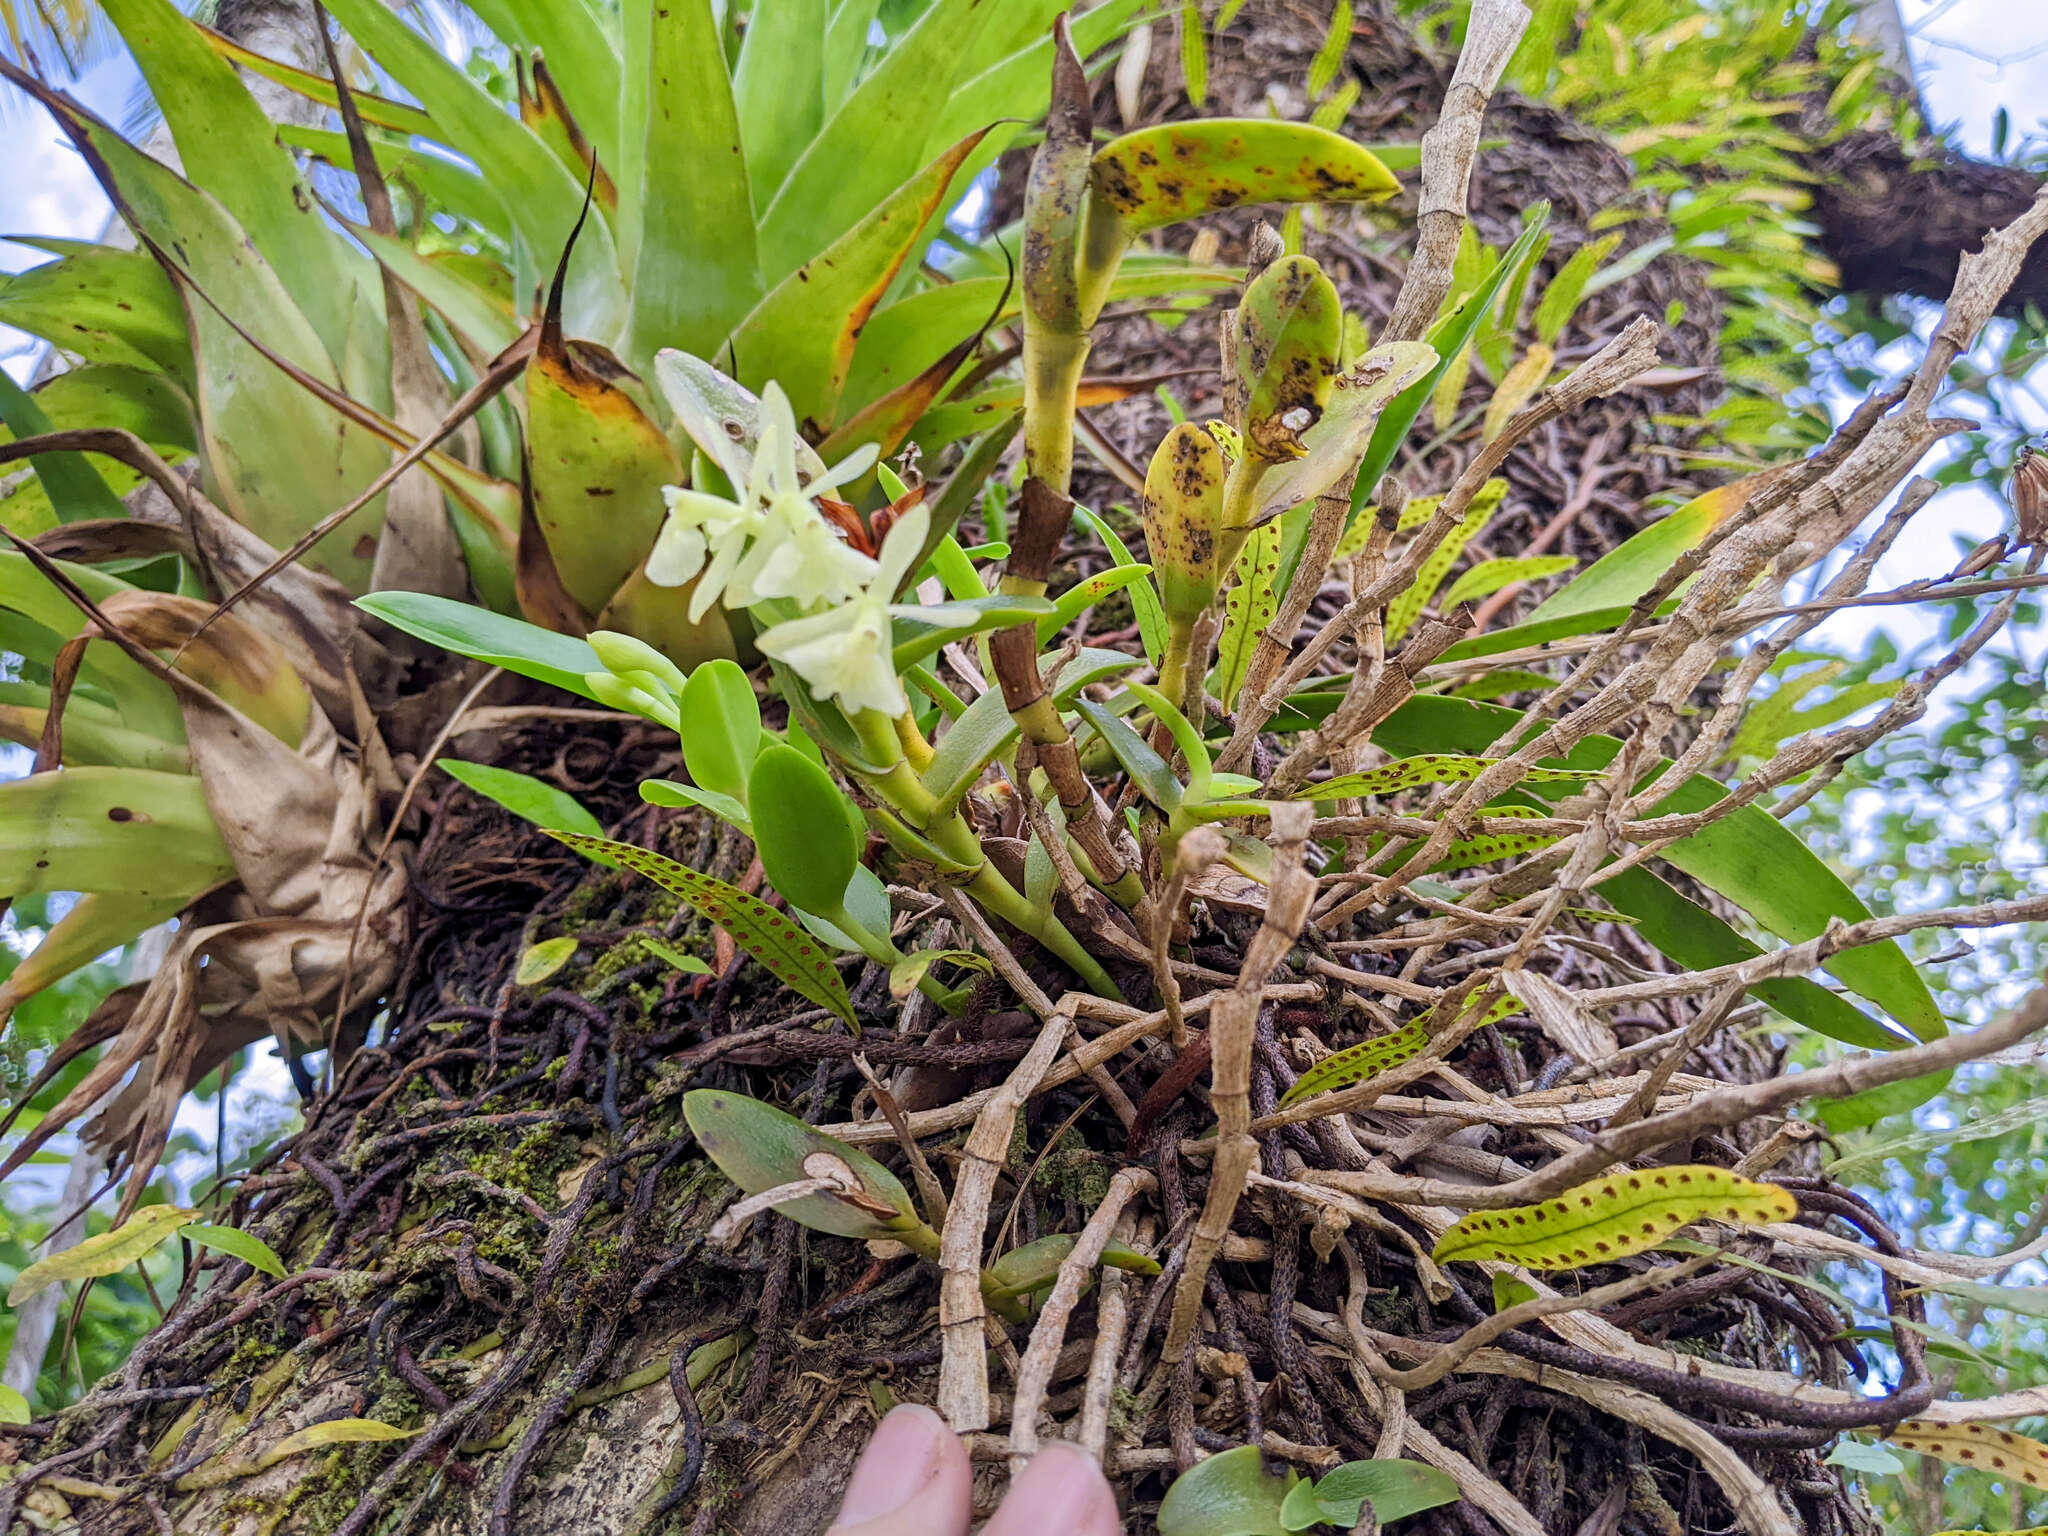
(2030, 496)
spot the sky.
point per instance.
(1971, 58)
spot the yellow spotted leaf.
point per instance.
(1426, 768)
(1611, 1218)
(108, 1253)
(1984, 1446)
(1356, 1063)
(771, 937)
(540, 961)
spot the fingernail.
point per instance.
(900, 1460)
(1062, 1490)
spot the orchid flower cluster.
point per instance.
(769, 544)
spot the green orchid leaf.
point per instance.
(1395, 1488)
(1148, 770)
(721, 728)
(530, 799)
(867, 903)
(14, 1407)
(769, 936)
(1185, 737)
(761, 1148)
(907, 973)
(537, 962)
(920, 631)
(1631, 568)
(1748, 856)
(495, 638)
(1085, 594)
(987, 729)
(1035, 1266)
(1450, 336)
(670, 793)
(236, 1243)
(1229, 1494)
(807, 848)
(1145, 602)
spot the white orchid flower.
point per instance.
(847, 652)
(768, 541)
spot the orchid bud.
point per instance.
(622, 654)
(633, 700)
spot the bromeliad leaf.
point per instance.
(1608, 1219)
(1356, 1063)
(771, 937)
(105, 1253)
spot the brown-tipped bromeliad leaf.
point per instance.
(803, 333)
(1607, 1219)
(596, 462)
